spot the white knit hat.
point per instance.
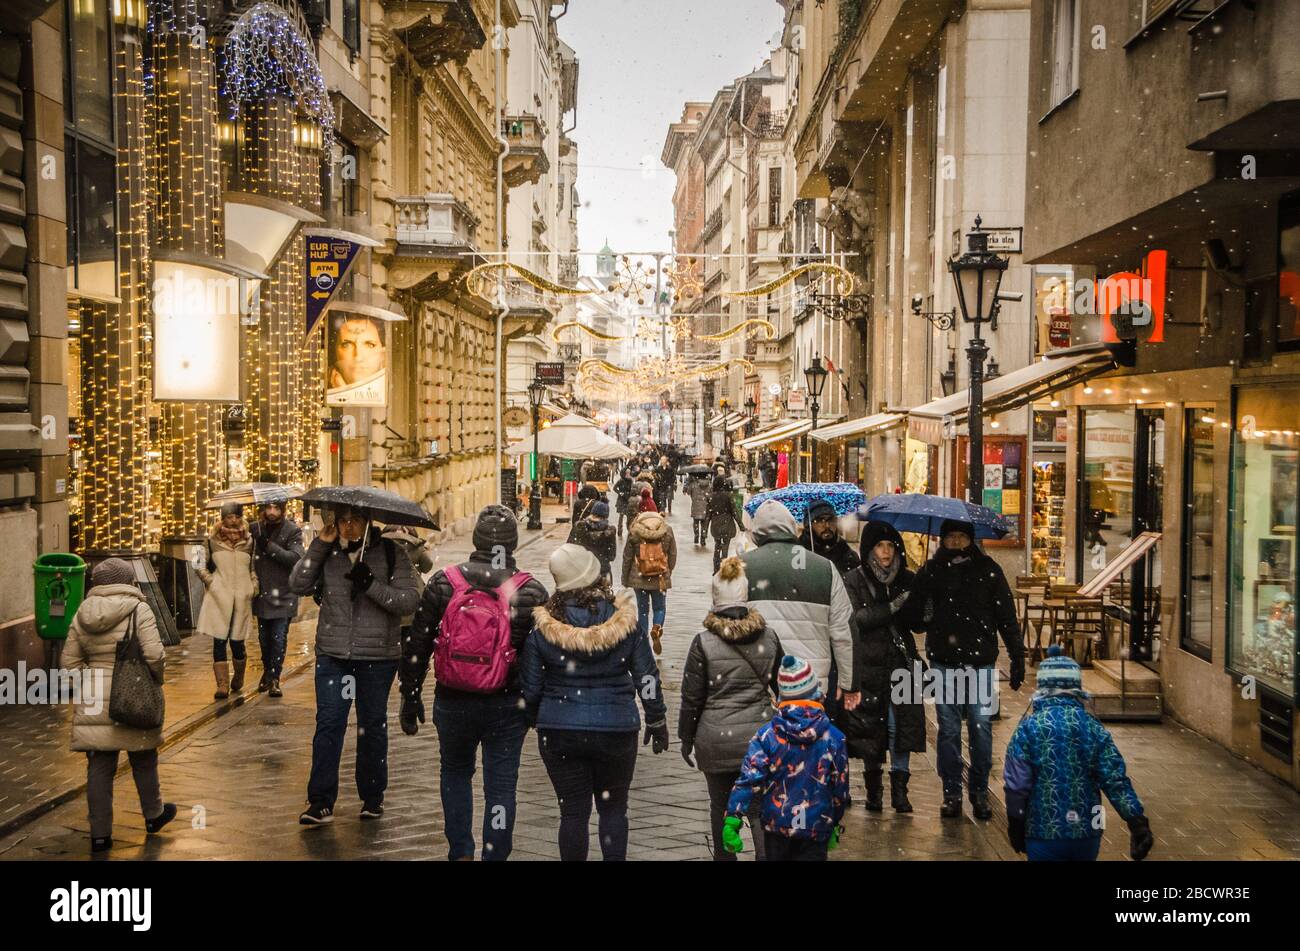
(730, 586)
(573, 567)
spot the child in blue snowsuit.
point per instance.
(1059, 761)
(799, 763)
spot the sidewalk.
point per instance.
(38, 772)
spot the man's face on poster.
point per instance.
(358, 350)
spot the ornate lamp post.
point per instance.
(977, 275)
(536, 393)
(816, 376)
(723, 406)
(750, 408)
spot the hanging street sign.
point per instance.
(328, 260)
(552, 374)
(1005, 240)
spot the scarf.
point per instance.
(234, 537)
(959, 556)
(885, 574)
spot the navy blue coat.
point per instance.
(585, 672)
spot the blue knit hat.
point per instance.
(797, 680)
(600, 510)
(1058, 672)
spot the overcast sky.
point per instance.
(639, 62)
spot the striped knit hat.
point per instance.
(797, 680)
(1058, 672)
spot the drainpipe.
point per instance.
(503, 308)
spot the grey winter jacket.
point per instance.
(272, 564)
(369, 626)
(801, 595)
(699, 491)
(727, 689)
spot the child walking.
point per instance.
(798, 762)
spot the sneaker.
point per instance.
(316, 815)
(275, 690)
(155, 824)
(979, 802)
(951, 808)
(372, 810)
(101, 844)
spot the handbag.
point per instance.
(136, 699)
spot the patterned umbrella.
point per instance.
(843, 496)
(914, 512)
(255, 493)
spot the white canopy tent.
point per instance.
(572, 437)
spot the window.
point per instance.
(1262, 553)
(774, 196)
(1106, 482)
(1288, 274)
(89, 69)
(352, 24)
(1064, 47)
(1198, 531)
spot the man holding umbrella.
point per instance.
(364, 586)
(966, 604)
(277, 547)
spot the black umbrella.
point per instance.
(696, 469)
(383, 506)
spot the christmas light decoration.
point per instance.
(751, 327)
(844, 280)
(480, 283)
(684, 277)
(266, 56)
(632, 279)
(576, 325)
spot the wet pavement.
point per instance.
(240, 783)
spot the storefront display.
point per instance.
(1004, 481)
(1047, 516)
(1265, 467)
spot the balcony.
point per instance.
(436, 237)
(528, 309)
(526, 162)
(771, 125)
(569, 270)
(435, 31)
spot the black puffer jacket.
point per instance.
(723, 520)
(601, 539)
(882, 644)
(967, 603)
(417, 649)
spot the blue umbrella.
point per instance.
(913, 512)
(843, 496)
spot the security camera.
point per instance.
(917, 303)
(1011, 296)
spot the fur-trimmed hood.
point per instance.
(589, 640)
(648, 527)
(735, 630)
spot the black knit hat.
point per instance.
(957, 525)
(496, 527)
(874, 532)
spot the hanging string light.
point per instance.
(480, 283)
(265, 56)
(844, 280)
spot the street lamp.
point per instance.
(723, 406)
(750, 408)
(536, 393)
(816, 378)
(977, 275)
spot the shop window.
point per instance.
(1004, 481)
(91, 180)
(1288, 267)
(1261, 605)
(1198, 531)
(89, 69)
(1106, 488)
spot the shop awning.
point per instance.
(738, 423)
(715, 421)
(857, 428)
(726, 420)
(786, 430)
(1051, 374)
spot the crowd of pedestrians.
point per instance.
(806, 661)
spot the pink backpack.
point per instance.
(473, 650)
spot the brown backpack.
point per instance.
(651, 560)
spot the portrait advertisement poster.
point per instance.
(356, 360)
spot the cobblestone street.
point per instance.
(240, 782)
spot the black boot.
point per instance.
(951, 808)
(979, 802)
(898, 792)
(875, 789)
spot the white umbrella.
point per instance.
(572, 437)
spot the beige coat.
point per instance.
(231, 589)
(101, 621)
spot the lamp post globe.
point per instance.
(977, 276)
(536, 393)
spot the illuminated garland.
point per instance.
(477, 283)
(575, 325)
(844, 280)
(266, 56)
(685, 279)
(754, 325)
(632, 279)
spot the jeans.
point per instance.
(101, 767)
(960, 692)
(337, 682)
(586, 766)
(1062, 850)
(701, 527)
(782, 848)
(273, 636)
(721, 549)
(898, 761)
(646, 602)
(219, 650)
(720, 786)
(498, 724)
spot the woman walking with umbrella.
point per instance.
(231, 582)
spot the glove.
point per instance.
(1140, 838)
(412, 714)
(262, 541)
(731, 840)
(659, 733)
(1017, 672)
(361, 577)
(834, 842)
(897, 604)
(688, 748)
(1016, 833)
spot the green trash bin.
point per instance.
(60, 586)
